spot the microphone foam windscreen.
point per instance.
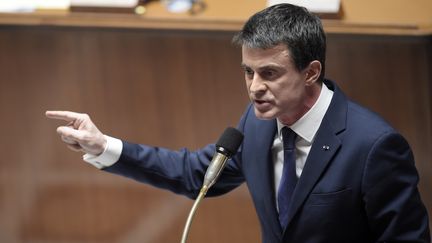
(230, 140)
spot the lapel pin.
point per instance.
(326, 147)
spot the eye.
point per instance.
(248, 72)
(269, 74)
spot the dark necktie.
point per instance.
(289, 177)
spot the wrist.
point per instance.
(109, 156)
(104, 145)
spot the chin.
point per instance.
(264, 115)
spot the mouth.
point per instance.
(259, 101)
(261, 104)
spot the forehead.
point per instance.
(257, 57)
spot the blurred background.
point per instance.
(166, 74)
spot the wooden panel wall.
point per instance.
(167, 88)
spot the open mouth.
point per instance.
(262, 104)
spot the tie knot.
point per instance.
(288, 137)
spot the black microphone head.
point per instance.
(229, 141)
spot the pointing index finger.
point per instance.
(62, 115)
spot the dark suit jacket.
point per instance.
(363, 188)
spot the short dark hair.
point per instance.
(294, 26)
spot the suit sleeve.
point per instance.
(392, 201)
(180, 171)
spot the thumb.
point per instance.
(70, 133)
(87, 141)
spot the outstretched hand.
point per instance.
(80, 133)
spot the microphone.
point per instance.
(226, 146)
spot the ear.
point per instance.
(312, 72)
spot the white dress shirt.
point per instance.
(305, 128)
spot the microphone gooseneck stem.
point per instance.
(213, 171)
(201, 195)
(227, 145)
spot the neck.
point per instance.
(311, 97)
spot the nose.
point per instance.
(257, 85)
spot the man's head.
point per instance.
(287, 24)
(283, 52)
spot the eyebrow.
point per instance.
(270, 66)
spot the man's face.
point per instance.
(275, 86)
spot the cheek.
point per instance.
(248, 84)
(286, 95)
(277, 91)
(247, 81)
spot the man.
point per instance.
(319, 167)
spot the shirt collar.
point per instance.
(307, 126)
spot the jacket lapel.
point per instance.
(324, 148)
(320, 155)
(262, 184)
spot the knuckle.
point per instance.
(60, 131)
(85, 118)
